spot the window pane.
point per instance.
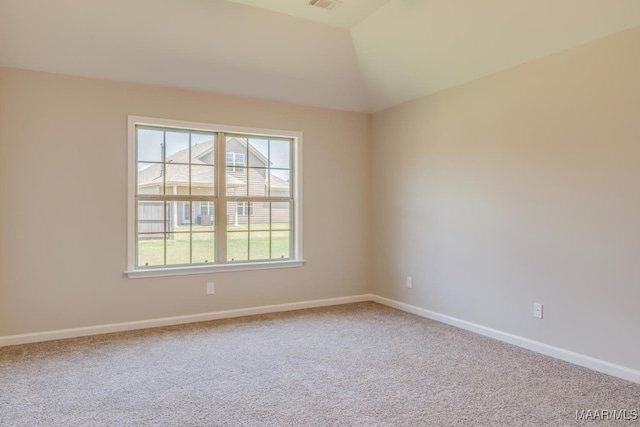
(202, 180)
(237, 182)
(202, 148)
(171, 219)
(259, 245)
(279, 183)
(150, 217)
(235, 221)
(236, 151)
(257, 181)
(237, 246)
(204, 214)
(150, 250)
(150, 178)
(203, 247)
(184, 212)
(177, 179)
(177, 147)
(178, 248)
(259, 152)
(281, 216)
(280, 153)
(236, 144)
(260, 216)
(280, 244)
(150, 143)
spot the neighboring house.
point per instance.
(246, 177)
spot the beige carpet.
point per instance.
(352, 365)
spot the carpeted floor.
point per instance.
(351, 365)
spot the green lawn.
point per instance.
(242, 245)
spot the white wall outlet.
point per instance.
(210, 288)
(537, 310)
(409, 282)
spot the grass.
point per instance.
(243, 244)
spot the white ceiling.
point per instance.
(365, 56)
(347, 15)
(412, 48)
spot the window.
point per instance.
(187, 215)
(206, 208)
(234, 160)
(245, 208)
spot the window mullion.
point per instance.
(164, 190)
(293, 238)
(190, 202)
(221, 205)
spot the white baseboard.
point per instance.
(619, 371)
(178, 320)
(603, 366)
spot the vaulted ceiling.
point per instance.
(365, 56)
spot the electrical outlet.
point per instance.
(210, 288)
(537, 310)
(409, 282)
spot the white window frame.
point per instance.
(222, 265)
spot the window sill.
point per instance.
(205, 269)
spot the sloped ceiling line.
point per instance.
(366, 56)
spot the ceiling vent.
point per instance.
(325, 4)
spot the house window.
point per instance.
(235, 161)
(245, 208)
(243, 215)
(206, 208)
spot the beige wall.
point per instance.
(63, 198)
(517, 188)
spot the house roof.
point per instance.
(278, 183)
(179, 175)
(177, 169)
(392, 51)
(178, 172)
(258, 154)
(198, 151)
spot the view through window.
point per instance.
(206, 197)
